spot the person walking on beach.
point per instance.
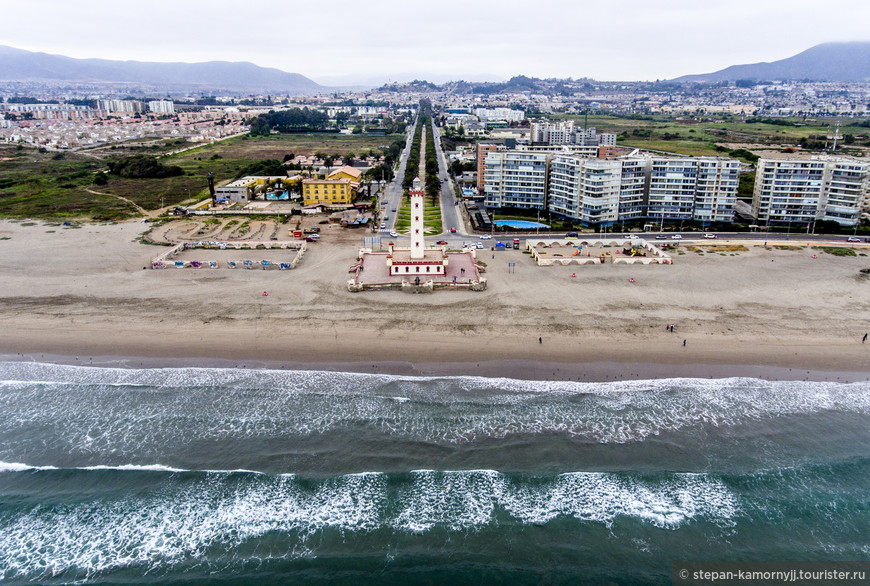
(864, 339)
(684, 342)
(540, 340)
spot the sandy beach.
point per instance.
(83, 295)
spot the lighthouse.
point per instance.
(418, 244)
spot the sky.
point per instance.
(371, 42)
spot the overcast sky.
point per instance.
(340, 41)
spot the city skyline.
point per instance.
(482, 41)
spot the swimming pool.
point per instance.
(520, 224)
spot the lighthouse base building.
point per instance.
(418, 268)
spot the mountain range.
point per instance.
(20, 65)
(838, 62)
(843, 62)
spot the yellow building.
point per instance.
(347, 172)
(328, 191)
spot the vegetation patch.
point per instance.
(836, 251)
(726, 248)
(143, 167)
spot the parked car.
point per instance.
(310, 239)
(323, 222)
(485, 237)
(709, 236)
(676, 237)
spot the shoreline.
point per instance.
(520, 369)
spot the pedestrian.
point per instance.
(864, 339)
(540, 341)
(684, 342)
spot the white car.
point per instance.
(676, 237)
(485, 237)
(853, 239)
(709, 236)
(480, 245)
(383, 225)
(632, 236)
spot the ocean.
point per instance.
(195, 475)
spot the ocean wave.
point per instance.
(18, 467)
(178, 520)
(90, 414)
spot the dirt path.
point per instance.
(140, 209)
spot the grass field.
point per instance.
(53, 186)
(698, 136)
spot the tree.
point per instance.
(348, 158)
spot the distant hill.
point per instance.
(20, 65)
(845, 62)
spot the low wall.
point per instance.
(167, 259)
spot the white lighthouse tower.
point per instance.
(418, 245)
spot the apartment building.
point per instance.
(800, 190)
(516, 179)
(716, 190)
(161, 107)
(483, 150)
(586, 190)
(121, 106)
(632, 188)
(564, 133)
(703, 189)
(596, 191)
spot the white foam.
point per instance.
(154, 414)
(18, 467)
(173, 524)
(135, 468)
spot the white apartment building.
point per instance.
(161, 107)
(506, 114)
(586, 190)
(516, 179)
(564, 133)
(692, 188)
(824, 187)
(716, 190)
(632, 188)
(597, 191)
(552, 134)
(121, 106)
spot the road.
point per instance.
(391, 196)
